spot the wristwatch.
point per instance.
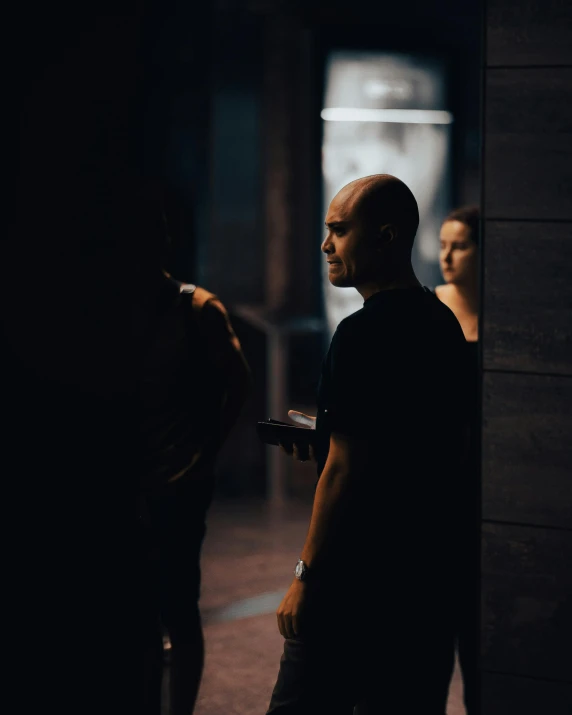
(301, 570)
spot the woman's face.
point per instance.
(458, 255)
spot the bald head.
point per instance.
(371, 225)
(384, 200)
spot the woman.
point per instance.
(459, 265)
(458, 258)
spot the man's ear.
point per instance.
(388, 234)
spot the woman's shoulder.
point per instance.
(442, 291)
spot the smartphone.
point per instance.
(274, 432)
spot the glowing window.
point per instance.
(386, 114)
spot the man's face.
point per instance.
(349, 247)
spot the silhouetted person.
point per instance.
(193, 387)
(459, 265)
(366, 617)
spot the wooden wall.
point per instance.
(526, 586)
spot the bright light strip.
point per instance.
(398, 116)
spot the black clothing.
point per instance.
(179, 404)
(465, 616)
(169, 585)
(395, 377)
(175, 526)
(387, 369)
(180, 394)
(340, 673)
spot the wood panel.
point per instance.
(526, 450)
(528, 297)
(526, 585)
(529, 101)
(291, 160)
(528, 177)
(502, 694)
(528, 145)
(529, 32)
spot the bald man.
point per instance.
(366, 620)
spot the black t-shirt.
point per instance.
(396, 378)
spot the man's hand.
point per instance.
(301, 453)
(302, 419)
(291, 610)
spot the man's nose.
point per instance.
(327, 245)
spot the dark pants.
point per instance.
(379, 657)
(172, 533)
(467, 621)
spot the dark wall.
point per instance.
(527, 360)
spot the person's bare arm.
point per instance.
(226, 352)
(345, 465)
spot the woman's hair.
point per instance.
(470, 216)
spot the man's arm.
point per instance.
(345, 463)
(344, 467)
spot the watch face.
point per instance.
(299, 570)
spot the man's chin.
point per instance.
(340, 282)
